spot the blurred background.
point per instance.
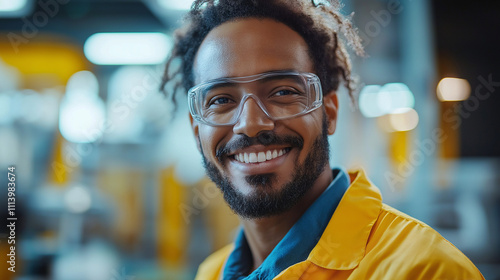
(109, 183)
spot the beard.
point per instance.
(263, 201)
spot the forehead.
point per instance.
(250, 46)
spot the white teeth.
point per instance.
(252, 157)
(261, 157)
(258, 157)
(269, 155)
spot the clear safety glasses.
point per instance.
(280, 95)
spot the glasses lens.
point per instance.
(219, 102)
(279, 96)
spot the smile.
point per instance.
(258, 157)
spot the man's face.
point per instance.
(248, 47)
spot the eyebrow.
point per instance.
(272, 78)
(219, 85)
(263, 73)
(216, 85)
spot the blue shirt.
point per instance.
(297, 243)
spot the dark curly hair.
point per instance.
(318, 23)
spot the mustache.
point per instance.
(265, 138)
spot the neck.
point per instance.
(264, 234)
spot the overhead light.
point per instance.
(453, 89)
(127, 48)
(376, 101)
(368, 101)
(77, 199)
(82, 112)
(183, 5)
(16, 8)
(12, 5)
(403, 119)
(396, 96)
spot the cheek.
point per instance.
(210, 137)
(310, 127)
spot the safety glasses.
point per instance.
(280, 95)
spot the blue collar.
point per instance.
(297, 243)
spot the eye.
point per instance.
(220, 100)
(285, 92)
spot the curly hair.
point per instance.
(320, 24)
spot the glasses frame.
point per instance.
(312, 83)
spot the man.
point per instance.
(262, 79)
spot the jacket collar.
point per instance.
(343, 243)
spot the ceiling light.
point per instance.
(453, 89)
(127, 48)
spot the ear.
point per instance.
(195, 127)
(331, 103)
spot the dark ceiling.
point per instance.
(78, 19)
(468, 46)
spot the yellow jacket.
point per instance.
(366, 239)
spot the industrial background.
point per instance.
(109, 183)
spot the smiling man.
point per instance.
(262, 78)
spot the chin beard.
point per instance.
(263, 201)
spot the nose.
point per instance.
(252, 120)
